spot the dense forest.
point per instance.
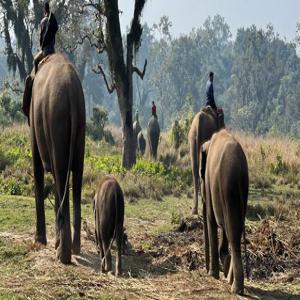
(257, 75)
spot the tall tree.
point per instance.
(105, 35)
(17, 14)
(20, 22)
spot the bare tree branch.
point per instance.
(137, 71)
(100, 71)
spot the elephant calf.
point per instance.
(225, 193)
(109, 219)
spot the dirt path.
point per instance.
(169, 269)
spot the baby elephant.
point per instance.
(109, 219)
(225, 192)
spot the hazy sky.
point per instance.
(186, 14)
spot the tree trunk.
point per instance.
(129, 147)
(122, 77)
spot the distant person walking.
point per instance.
(154, 110)
(210, 98)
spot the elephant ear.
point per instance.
(204, 152)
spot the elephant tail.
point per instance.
(74, 119)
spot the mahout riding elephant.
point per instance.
(57, 118)
(225, 193)
(153, 133)
(204, 124)
(141, 142)
(109, 219)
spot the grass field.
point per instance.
(161, 260)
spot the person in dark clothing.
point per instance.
(154, 110)
(48, 28)
(210, 99)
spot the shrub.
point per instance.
(95, 127)
(279, 166)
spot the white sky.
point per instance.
(188, 14)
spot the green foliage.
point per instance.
(279, 166)
(177, 135)
(10, 109)
(109, 164)
(95, 127)
(175, 217)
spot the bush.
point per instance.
(95, 127)
(279, 166)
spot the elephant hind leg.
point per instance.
(38, 170)
(213, 242)
(237, 268)
(195, 172)
(77, 184)
(107, 255)
(224, 253)
(64, 248)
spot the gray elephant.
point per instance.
(57, 118)
(109, 219)
(203, 126)
(136, 128)
(153, 133)
(141, 142)
(225, 192)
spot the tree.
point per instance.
(105, 35)
(18, 15)
(21, 19)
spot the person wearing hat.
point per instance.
(210, 99)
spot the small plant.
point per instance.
(175, 217)
(279, 167)
(176, 135)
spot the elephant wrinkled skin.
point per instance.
(203, 126)
(225, 190)
(153, 132)
(57, 118)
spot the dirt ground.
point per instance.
(169, 265)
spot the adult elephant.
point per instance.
(203, 126)
(225, 191)
(153, 133)
(57, 118)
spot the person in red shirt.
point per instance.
(154, 109)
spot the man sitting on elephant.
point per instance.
(153, 110)
(210, 98)
(48, 28)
